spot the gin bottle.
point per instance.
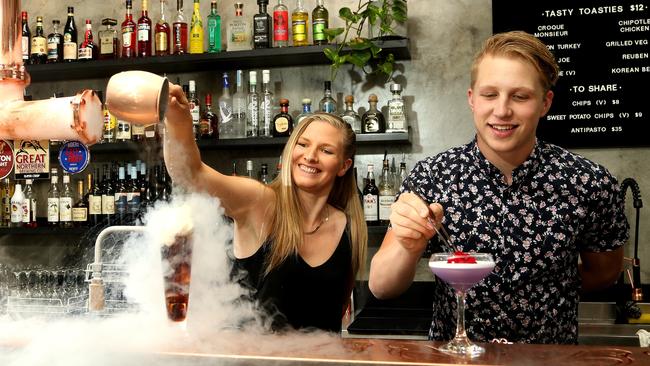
(280, 25)
(239, 106)
(373, 120)
(238, 36)
(350, 116)
(396, 115)
(214, 29)
(327, 104)
(266, 107)
(253, 103)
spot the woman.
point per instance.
(302, 239)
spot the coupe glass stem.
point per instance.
(461, 336)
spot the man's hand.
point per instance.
(413, 221)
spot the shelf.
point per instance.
(259, 58)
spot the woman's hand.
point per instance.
(412, 221)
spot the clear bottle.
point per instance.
(299, 24)
(249, 169)
(26, 40)
(264, 174)
(196, 30)
(239, 106)
(226, 122)
(53, 200)
(386, 194)
(38, 52)
(214, 29)
(396, 115)
(70, 38)
(262, 23)
(350, 115)
(266, 107)
(17, 206)
(7, 191)
(144, 31)
(88, 50)
(327, 103)
(403, 173)
(55, 43)
(208, 125)
(109, 42)
(238, 36)
(80, 208)
(253, 103)
(282, 122)
(29, 205)
(65, 203)
(129, 34)
(280, 25)
(306, 111)
(162, 33)
(371, 198)
(373, 120)
(195, 108)
(320, 22)
(179, 38)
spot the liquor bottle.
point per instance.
(238, 33)
(120, 198)
(144, 31)
(266, 107)
(327, 103)
(109, 42)
(262, 26)
(208, 124)
(196, 30)
(249, 169)
(282, 122)
(129, 34)
(396, 114)
(123, 132)
(239, 106)
(133, 197)
(88, 49)
(403, 174)
(26, 40)
(195, 109)
(53, 200)
(38, 51)
(95, 199)
(110, 122)
(386, 193)
(17, 206)
(306, 111)
(226, 121)
(80, 208)
(371, 198)
(29, 206)
(319, 22)
(70, 38)
(7, 191)
(65, 203)
(299, 19)
(55, 43)
(108, 196)
(280, 25)
(234, 168)
(162, 34)
(394, 176)
(373, 120)
(214, 29)
(264, 174)
(145, 193)
(253, 103)
(164, 192)
(179, 30)
(137, 132)
(350, 115)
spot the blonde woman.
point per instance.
(302, 239)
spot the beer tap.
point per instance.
(637, 203)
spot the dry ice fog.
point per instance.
(219, 322)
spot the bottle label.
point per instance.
(123, 130)
(281, 25)
(69, 51)
(65, 209)
(299, 28)
(109, 126)
(120, 203)
(106, 44)
(281, 124)
(225, 111)
(150, 131)
(319, 26)
(396, 116)
(144, 30)
(108, 205)
(16, 211)
(137, 130)
(162, 43)
(25, 47)
(194, 111)
(371, 124)
(384, 206)
(95, 203)
(26, 207)
(127, 32)
(39, 45)
(85, 53)
(53, 48)
(79, 214)
(204, 127)
(53, 210)
(370, 210)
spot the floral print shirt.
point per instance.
(558, 205)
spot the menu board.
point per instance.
(601, 98)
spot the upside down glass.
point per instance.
(177, 269)
(461, 275)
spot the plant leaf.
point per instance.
(346, 14)
(360, 44)
(375, 50)
(332, 33)
(359, 58)
(331, 54)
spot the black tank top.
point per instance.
(296, 294)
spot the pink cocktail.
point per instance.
(461, 271)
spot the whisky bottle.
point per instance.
(373, 120)
(53, 200)
(87, 49)
(195, 108)
(208, 124)
(70, 38)
(282, 122)
(162, 33)
(65, 203)
(80, 208)
(238, 33)
(109, 42)
(26, 40)
(55, 43)
(350, 115)
(371, 198)
(386, 193)
(144, 31)
(280, 25)
(196, 30)
(327, 103)
(253, 103)
(129, 34)
(306, 111)
(396, 114)
(29, 206)
(179, 38)
(214, 29)
(262, 26)
(320, 22)
(39, 44)
(17, 206)
(266, 107)
(299, 19)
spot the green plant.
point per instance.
(361, 51)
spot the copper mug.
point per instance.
(138, 97)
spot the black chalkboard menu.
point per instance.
(602, 98)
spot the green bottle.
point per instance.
(214, 29)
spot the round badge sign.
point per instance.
(6, 158)
(74, 157)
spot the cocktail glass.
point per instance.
(461, 274)
(177, 269)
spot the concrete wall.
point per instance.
(444, 35)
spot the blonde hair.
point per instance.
(525, 46)
(286, 226)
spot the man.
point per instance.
(534, 206)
